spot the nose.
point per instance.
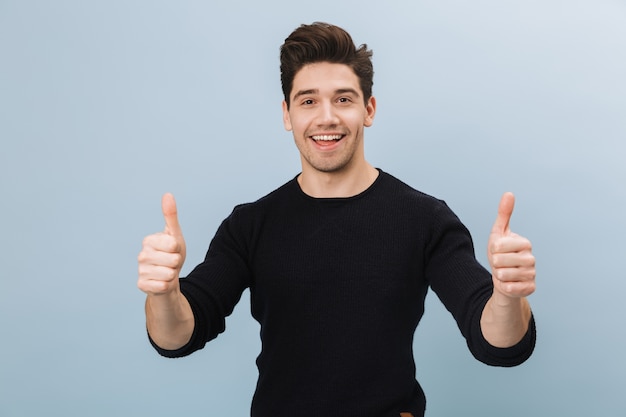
(327, 114)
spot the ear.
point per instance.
(370, 112)
(286, 118)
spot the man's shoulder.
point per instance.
(401, 189)
(278, 196)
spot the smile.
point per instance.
(326, 137)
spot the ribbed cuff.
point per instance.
(510, 356)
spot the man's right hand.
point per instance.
(163, 254)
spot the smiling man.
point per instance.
(338, 261)
(327, 113)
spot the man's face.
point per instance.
(327, 116)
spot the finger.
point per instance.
(161, 242)
(513, 260)
(150, 257)
(509, 243)
(170, 214)
(157, 273)
(520, 274)
(505, 210)
(516, 289)
(155, 287)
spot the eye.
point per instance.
(307, 102)
(344, 100)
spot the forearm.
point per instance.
(169, 319)
(505, 320)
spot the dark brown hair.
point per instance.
(322, 42)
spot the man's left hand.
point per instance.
(510, 255)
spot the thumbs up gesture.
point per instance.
(510, 255)
(163, 254)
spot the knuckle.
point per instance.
(144, 270)
(171, 274)
(529, 274)
(160, 287)
(500, 274)
(178, 260)
(144, 285)
(170, 244)
(142, 257)
(505, 287)
(495, 246)
(148, 241)
(511, 288)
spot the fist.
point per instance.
(162, 254)
(510, 255)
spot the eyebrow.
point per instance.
(316, 91)
(347, 91)
(305, 93)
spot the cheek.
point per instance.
(299, 126)
(357, 122)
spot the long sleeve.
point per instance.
(214, 287)
(464, 287)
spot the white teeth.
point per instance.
(326, 137)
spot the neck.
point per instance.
(337, 184)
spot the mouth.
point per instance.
(326, 140)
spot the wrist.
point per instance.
(500, 299)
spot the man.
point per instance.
(338, 261)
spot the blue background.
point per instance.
(106, 105)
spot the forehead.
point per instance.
(325, 77)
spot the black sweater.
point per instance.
(338, 286)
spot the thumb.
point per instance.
(170, 214)
(505, 210)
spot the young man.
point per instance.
(338, 261)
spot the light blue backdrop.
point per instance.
(106, 105)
